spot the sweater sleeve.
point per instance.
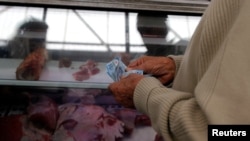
(177, 59)
(211, 86)
(170, 111)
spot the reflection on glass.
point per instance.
(82, 35)
(12, 16)
(57, 57)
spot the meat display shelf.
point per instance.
(53, 76)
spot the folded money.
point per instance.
(133, 71)
(116, 69)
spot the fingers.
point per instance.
(123, 90)
(138, 62)
(116, 89)
(134, 64)
(149, 64)
(120, 93)
(112, 87)
(165, 79)
(145, 67)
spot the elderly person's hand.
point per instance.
(123, 90)
(163, 68)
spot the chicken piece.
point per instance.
(65, 62)
(31, 67)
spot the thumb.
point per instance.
(145, 67)
(133, 64)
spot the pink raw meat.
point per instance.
(18, 128)
(89, 64)
(37, 125)
(94, 71)
(81, 75)
(86, 70)
(84, 96)
(43, 113)
(132, 118)
(78, 122)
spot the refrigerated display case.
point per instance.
(53, 57)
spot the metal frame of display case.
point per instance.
(176, 6)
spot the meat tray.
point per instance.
(53, 76)
(35, 114)
(26, 100)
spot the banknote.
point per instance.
(116, 69)
(110, 69)
(133, 71)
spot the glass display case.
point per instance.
(53, 57)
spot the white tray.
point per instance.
(53, 76)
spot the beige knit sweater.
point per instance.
(212, 85)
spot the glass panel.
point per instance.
(77, 36)
(53, 60)
(11, 17)
(70, 114)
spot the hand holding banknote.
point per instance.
(162, 68)
(124, 81)
(123, 89)
(116, 69)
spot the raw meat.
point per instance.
(106, 100)
(64, 62)
(32, 66)
(37, 124)
(132, 119)
(43, 113)
(7, 124)
(84, 96)
(81, 75)
(17, 128)
(89, 64)
(86, 70)
(78, 122)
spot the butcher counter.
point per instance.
(53, 57)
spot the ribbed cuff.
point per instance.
(177, 59)
(142, 92)
(155, 100)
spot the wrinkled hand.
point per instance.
(123, 90)
(163, 68)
